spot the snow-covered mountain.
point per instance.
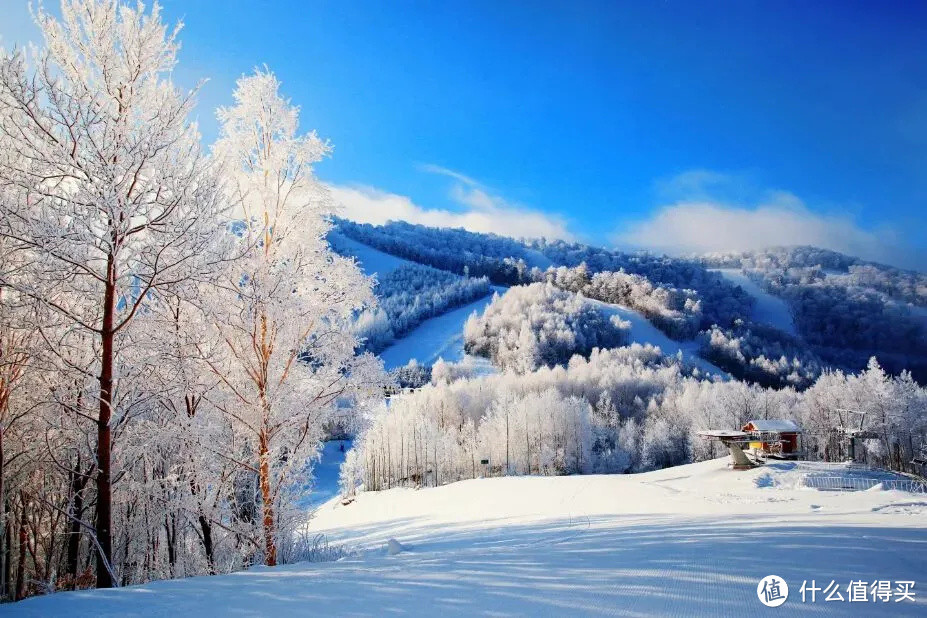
(776, 318)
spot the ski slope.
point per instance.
(643, 331)
(372, 261)
(768, 309)
(442, 336)
(687, 541)
(437, 337)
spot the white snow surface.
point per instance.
(643, 331)
(437, 337)
(442, 336)
(536, 259)
(691, 540)
(768, 309)
(774, 425)
(372, 261)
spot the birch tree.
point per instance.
(287, 306)
(108, 189)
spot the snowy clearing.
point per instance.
(536, 259)
(643, 331)
(372, 261)
(689, 540)
(769, 309)
(438, 337)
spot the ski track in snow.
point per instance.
(690, 540)
(769, 309)
(643, 331)
(442, 336)
(437, 337)
(534, 258)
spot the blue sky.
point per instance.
(680, 126)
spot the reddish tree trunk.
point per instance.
(104, 515)
(270, 542)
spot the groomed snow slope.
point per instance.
(643, 331)
(690, 540)
(769, 309)
(442, 336)
(372, 261)
(438, 337)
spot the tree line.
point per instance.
(628, 409)
(175, 331)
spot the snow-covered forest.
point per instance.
(761, 354)
(677, 312)
(175, 331)
(539, 324)
(847, 309)
(455, 250)
(627, 409)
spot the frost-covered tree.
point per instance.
(677, 312)
(539, 324)
(106, 184)
(621, 410)
(284, 312)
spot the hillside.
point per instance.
(776, 317)
(769, 309)
(689, 540)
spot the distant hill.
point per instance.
(777, 317)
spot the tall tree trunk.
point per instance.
(270, 542)
(104, 518)
(7, 573)
(77, 512)
(21, 563)
(206, 528)
(170, 529)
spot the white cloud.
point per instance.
(700, 184)
(702, 224)
(480, 210)
(431, 168)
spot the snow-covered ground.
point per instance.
(442, 337)
(691, 540)
(536, 259)
(438, 337)
(643, 331)
(372, 261)
(325, 472)
(769, 309)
